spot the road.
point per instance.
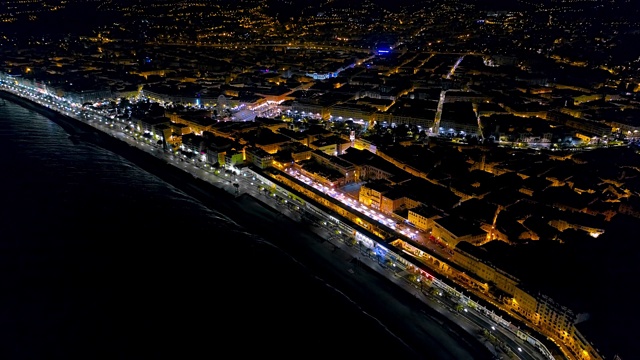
(472, 322)
(402, 314)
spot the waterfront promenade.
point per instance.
(260, 213)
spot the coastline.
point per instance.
(366, 288)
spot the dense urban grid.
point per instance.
(491, 146)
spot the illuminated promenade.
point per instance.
(371, 251)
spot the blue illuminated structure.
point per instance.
(384, 49)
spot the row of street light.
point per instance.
(78, 112)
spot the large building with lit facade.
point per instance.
(197, 122)
(347, 169)
(452, 230)
(551, 317)
(258, 157)
(422, 217)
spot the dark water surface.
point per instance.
(102, 260)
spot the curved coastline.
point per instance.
(73, 128)
(289, 236)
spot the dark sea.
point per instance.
(102, 260)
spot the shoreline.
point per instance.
(293, 238)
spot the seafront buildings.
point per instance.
(451, 147)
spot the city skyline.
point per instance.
(506, 137)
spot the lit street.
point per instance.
(239, 183)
